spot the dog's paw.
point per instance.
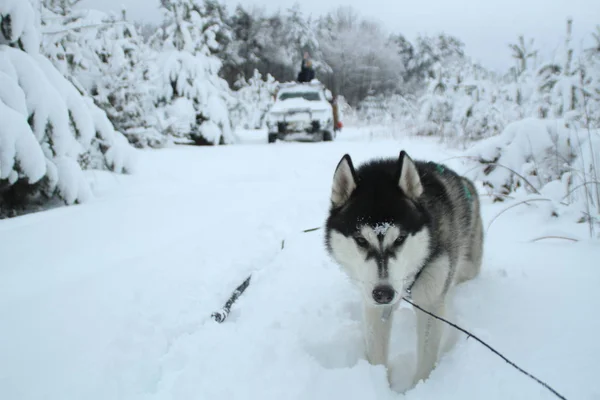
(400, 373)
(420, 377)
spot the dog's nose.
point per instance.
(383, 294)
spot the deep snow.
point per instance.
(112, 299)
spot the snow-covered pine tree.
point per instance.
(479, 110)
(246, 50)
(440, 62)
(299, 35)
(436, 107)
(124, 86)
(522, 52)
(105, 57)
(216, 19)
(428, 54)
(557, 92)
(253, 98)
(49, 131)
(63, 39)
(192, 97)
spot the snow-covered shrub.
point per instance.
(347, 115)
(190, 71)
(463, 101)
(253, 98)
(435, 111)
(394, 111)
(528, 154)
(49, 131)
(373, 110)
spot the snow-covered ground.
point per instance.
(112, 299)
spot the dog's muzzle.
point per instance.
(384, 294)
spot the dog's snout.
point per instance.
(383, 294)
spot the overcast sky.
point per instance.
(485, 26)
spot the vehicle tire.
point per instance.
(327, 136)
(272, 138)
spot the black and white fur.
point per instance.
(400, 227)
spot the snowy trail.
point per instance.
(112, 299)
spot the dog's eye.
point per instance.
(400, 239)
(361, 241)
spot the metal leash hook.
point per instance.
(222, 314)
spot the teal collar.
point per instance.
(440, 168)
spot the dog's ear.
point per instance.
(408, 176)
(344, 182)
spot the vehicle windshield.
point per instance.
(311, 96)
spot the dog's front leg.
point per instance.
(377, 334)
(429, 292)
(429, 335)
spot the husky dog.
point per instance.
(398, 228)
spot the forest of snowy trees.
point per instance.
(82, 89)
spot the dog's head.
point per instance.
(378, 229)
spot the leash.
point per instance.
(221, 315)
(470, 335)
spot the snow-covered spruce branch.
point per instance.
(81, 27)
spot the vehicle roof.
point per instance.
(301, 87)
